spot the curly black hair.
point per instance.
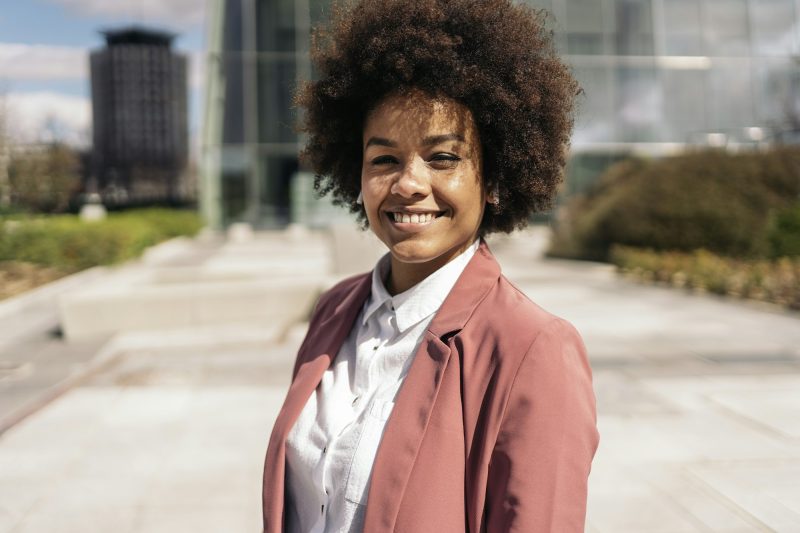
(494, 56)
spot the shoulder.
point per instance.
(330, 298)
(514, 329)
(326, 306)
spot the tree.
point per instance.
(43, 179)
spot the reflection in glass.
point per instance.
(634, 27)
(595, 120)
(684, 104)
(774, 30)
(232, 26)
(683, 30)
(778, 93)
(584, 27)
(276, 115)
(276, 173)
(731, 104)
(232, 71)
(276, 25)
(639, 104)
(235, 176)
(726, 28)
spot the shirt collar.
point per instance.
(421, 300)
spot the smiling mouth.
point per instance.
(413, 218)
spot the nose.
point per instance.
(413, 181)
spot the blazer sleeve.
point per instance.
(539, 468)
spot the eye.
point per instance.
(444, 160)
(384, 160)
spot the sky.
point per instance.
(44, 60)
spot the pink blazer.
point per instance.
(494, 428)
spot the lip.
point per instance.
(414, 210)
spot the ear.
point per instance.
(493, 197)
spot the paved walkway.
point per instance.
(698, 411)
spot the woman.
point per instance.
(430, 394)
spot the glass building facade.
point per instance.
(257, 55)
(660, 75)
(657, 75)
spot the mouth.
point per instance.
(414, 218)
(412, 221)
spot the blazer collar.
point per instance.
(479, 276)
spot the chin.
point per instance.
(411, 252)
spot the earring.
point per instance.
(360, 199)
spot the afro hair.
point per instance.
(494, 56)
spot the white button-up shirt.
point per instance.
(332, 446)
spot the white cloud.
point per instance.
(181, 13)
(34, 117)
(39, 62)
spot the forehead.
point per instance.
(417, 114)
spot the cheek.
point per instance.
(464, 192)
(373, 198)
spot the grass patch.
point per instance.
(68, 244)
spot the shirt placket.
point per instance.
(366, 351)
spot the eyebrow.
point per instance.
(380, 141)
(427, 141)
(436, 139)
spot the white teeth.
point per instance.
(415, 218)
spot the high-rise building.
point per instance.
(657, 75)
(139, 103)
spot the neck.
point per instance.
(403, 275)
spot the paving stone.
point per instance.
(697, 411)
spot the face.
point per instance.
(421, 178)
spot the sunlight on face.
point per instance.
(421, 178)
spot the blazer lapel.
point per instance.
(406, 426)
(319, 350)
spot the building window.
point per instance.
(774, 27)
(683, 29)
(726, 28)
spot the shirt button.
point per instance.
(375, 347)
(323, 509)
(325, 449)
(355, 400)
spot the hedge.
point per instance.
(712, 199)
(770, 281)
(784, 232)
(67, 242)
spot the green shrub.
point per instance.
(784, 232)
(65, 241)
(168, 223)
(707, 199)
